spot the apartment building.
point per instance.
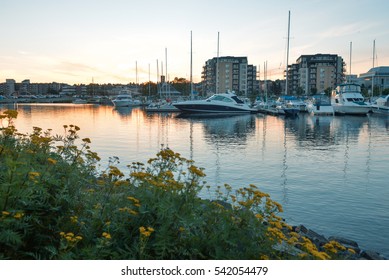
(315, 73)
(229, 73)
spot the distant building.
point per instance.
(315, 73)
(229, 73)
(377, 77)
(9, 87)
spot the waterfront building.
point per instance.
(9, 87)
(315, 73)
(229, 73)
(377, 77)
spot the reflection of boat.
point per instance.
(79, 101)
(320, 105)
(219, 103)
(347, 99)
(381, 105)
(125, 99)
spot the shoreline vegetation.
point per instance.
(57, 202)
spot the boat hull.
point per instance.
(325, 110)
(351, 110)
(380, 110)
(213, 108)
(124, 103)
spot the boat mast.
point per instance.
(373, 72)
(191, 65)
(149, 82)
(351, 48)
(217, 64)
(166, 78)
(265, 78)
(287, 57)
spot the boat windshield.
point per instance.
(220, 98)
(350, 88)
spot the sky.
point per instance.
(122, 41)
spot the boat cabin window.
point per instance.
(355, 99)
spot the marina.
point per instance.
(328, 172)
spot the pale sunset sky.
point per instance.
(75, 41)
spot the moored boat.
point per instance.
(125, 99)
(162, 106)
(347, 99)
(320, 105)
(381, 105)
(219, 103)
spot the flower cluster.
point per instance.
(146, 232)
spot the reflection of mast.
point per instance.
(346, 153)
(191, 139)
(284, 167)
(368, 154)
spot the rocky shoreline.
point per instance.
(320, 240)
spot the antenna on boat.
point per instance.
(287, 57)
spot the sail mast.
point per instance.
(373, 71)
(351, 48)
(191, 65)
(287, 57)
(217, 64)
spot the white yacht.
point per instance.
(162, 106)
(347, 99)
(125, 99)
(381, 105)
(219, 103)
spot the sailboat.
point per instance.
(285, 107)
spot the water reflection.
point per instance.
(230, 130)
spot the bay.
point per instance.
(329, 173)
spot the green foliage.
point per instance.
(55, 204)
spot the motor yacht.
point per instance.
(219, 103)
(347, 99)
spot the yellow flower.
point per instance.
(146, 232)
(106, 235)
(33, 175)
(18, 215)
(52, 161)
(5, 213)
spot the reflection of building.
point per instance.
(315, 73)
(229, 73)
(378, 77)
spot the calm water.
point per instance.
(330, 173)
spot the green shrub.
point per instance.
(56, 204)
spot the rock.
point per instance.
(344, 241)
(371, 255)
(318, 239)
(300, 229)
(348, 243)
